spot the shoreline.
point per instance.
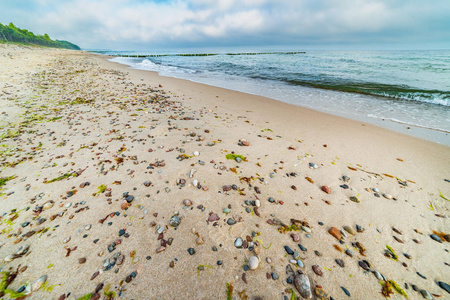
(438, 135)
(77, 118)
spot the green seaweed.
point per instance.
(109, 294)
(4, 180)
(392, 252)
(229, 291)
(234, 156)
(80, 100)
(101, 189)
(266, 129)
(293, 295)
(6, 280)
(64, 176)
(442, 195)
(285, 229)
(85, 297)
(397, 288)
(202, 267)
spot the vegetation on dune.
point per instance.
(15, 35)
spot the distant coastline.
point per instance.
(13, 35)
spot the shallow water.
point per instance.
(406, 87)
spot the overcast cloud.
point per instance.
(326, 24)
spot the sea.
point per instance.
(407, 91)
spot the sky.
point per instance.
(288, 24)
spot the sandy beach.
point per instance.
(123, 184)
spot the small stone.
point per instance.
(174, 221)
(288, 250)
(302, 247)
(274, 276)
(363, 265)
(313, 166)
(230, 221)
(377, 275)
(82, 260)
(420, 275)
(444, 286)
(340, 262)
(66, 240)
(436, 238)
(160, 249)
(354, 199)
(295, 237)
(199, 240)
(326, 189)
(317, 270)
(426, 294)
(187, 202)
(300, 263)
(191, 251)
(349, 229)
(345, 291)
(238, 242)
(303, 286)
(349, 252)
(335, 232)
(359, 228)
(387, 196)
(253, 262)
(306, 229)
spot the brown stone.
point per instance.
(326, 189)
(335, 232)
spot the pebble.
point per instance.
(363, 265)
(426, 294)
(387, 196)
(444, 286)
(66, 240)
(295, 237)
(253, 262)
(340, 262)
(175, 221)
(377, 275)
(301, 247)
(420, 275)
(231, 221)
(38, 283)
(335, 232)
(300, 263)
(345, 291)
(313, 166)
(349, 229)
(326, 189)
(303, 286)
(187, 202)
(436, 238)
(349, 252)
(195, 182)
(288, 250)
(238, 242)
(191, 251)
(306, 229)
(317, 270)
(82, 260)
(296, 255)
(274, 276)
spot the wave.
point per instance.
(382, 90)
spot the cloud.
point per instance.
(151, 24)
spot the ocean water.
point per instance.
(405, 87)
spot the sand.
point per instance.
(76, 113)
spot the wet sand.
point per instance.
(84, 139)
